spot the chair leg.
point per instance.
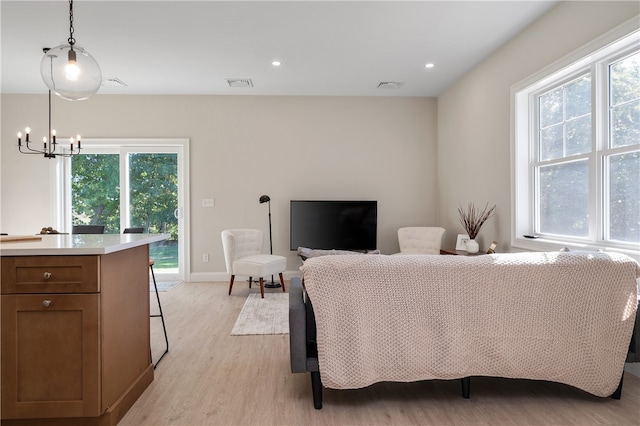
(231, 284)
(262, 287)
(466, 386)
(282, 281)
(164, 328)
(250, 279)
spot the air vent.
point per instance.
(240, 82)
(113, 82)
(390, 84)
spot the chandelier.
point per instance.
(69, 70)
(50, 145)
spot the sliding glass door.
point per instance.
(95, 190)
(152, 203)
(128, 185)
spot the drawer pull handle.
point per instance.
(46, 303)
(46, 275)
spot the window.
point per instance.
(122, 183)
(576, 152)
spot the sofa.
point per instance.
(564, 317)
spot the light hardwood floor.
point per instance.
(212, 378)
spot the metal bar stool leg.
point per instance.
(166, 339)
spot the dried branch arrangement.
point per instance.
(473, 219)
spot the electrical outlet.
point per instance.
(208, 202)
(205, 257)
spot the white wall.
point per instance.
(318, 147)
(242, 147)
(474, 113)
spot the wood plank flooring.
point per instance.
(212, 378)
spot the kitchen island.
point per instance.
(75, 341)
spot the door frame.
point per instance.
(61, 176)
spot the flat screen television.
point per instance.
(334, 225)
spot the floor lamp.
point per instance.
(266, 199)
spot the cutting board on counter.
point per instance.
(18, 238)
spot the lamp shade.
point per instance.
(264, 199)
(70, 72)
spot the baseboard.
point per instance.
(203, 277)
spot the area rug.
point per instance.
(263, 316)
(164, 285)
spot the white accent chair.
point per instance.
(243, 256)
(420, 239)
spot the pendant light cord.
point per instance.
(50, 132)
(71, 40)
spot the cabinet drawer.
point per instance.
(50, 274)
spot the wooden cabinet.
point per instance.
(75, 337)
(50, 355)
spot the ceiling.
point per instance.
(327, 48)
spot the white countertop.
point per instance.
(76, 244)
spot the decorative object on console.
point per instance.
(267, 199)
(69, 70)
(50, 146)
(472, 220)
(472, 246)
(492, 247)
(461, 243)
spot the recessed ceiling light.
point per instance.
(429, 65)
(276, 63)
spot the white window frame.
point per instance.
(61, 186)
(618, 42)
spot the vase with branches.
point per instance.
(472, 220)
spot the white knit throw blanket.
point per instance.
(562, 317)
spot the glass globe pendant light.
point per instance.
(69, 70)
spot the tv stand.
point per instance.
(306, 253)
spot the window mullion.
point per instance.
(533, 160)
(596, 179)
(603, 197)
(124, 190)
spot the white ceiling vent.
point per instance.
(113, 82)
(240, 82)
(390, 84)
